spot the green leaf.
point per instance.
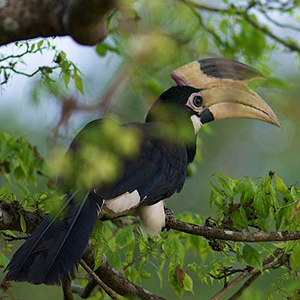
(66, 78)
(226, 188)
(252, 257)
(3, 260)
(188, 283)
(261, 203)
(282, 188)
(174, 249)
(40, 43)
(78, 83)
(22, 223)
(125, 237)
(143, 273)
(176, 278)
(278, 219)
(295, 256)
(101, 50)
(224, 25)
(295, 194)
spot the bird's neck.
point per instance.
(177, 132)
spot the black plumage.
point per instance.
(157, 172)
(50, 252)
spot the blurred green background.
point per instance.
(166, 35)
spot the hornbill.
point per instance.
(206, 90)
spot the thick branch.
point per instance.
(10, 217)
(237, 236)
(112, 277)
(85, 21)
(119, 283)
(10, 220)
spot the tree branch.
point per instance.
(120, 284)
(10, 220)
(10, 217)
(84, 292)
(111, 277)
(244, 13)
(245, 286)
(291, 45)
(85, 21)
(105, 287)
(228, 235)
(271, 262)
(67, 290)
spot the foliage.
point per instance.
(152, 38)
(239, 205)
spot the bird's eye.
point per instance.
(197, 100)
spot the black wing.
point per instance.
(156, 173)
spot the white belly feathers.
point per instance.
(151, 216)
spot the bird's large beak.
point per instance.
(225, 90)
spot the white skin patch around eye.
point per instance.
(194, 118)
(196, 123)
(190, 102)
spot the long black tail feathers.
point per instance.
(54, 249)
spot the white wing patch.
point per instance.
(152, 217)
(123, 202)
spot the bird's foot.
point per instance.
(169, 214)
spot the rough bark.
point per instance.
(10, 217)
(229, 235)
(119, 283)
(85, 21)
(10, 220)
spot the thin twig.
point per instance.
(27, 51)
(67, 290)
(201, 22)
(105, 287)
(84, 292)
(11, 238)
(281, 25)
(291, 45)
(244, 13)
(269, 263)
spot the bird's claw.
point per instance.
(169, 213)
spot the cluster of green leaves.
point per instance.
(250, 205)
(11, 64)
(240, 205)
(19, 162)
(170, 33)
(140, 256)
(262, 203)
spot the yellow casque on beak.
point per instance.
(225, 90)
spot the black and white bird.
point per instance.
(207, 90)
